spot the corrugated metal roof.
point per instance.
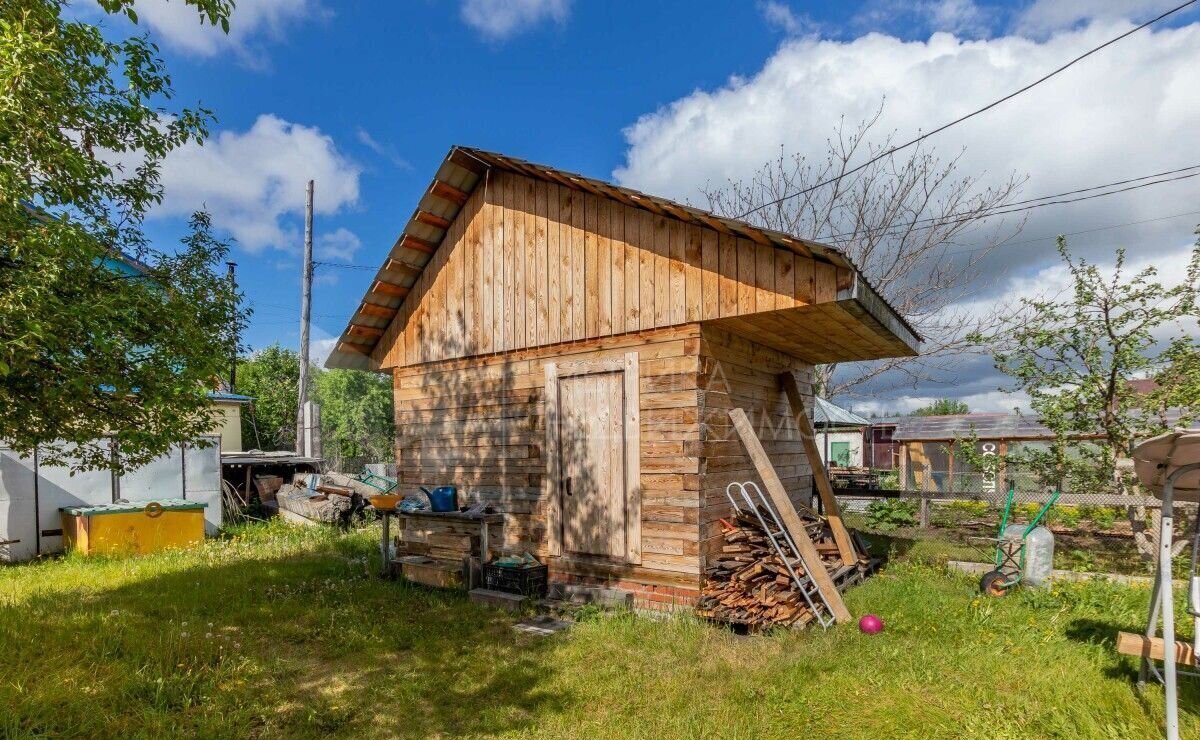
(455, 180)
(828, 415)
(227, 396)
(986, 426)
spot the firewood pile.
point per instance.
(748, 584)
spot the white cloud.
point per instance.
(340, 244)
(179, 25)
(1043, 17)
(253, 182)
(993, 401)
(501, 19)
(781, 16)
(387, 151)
(321, 346)
(1125, 112)
(1128, 111)
(962, 17)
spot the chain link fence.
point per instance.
(950, 515)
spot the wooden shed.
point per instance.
(568, 350)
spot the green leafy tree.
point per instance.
(272, 377)
(357, 416)
(943, 407)
(89, 347)
(1074, 356)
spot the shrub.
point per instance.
(891, 513)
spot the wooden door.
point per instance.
(592, 464)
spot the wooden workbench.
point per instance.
(483, 521)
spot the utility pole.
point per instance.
(305, 310)
(233, 349)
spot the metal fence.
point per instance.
(949, 516)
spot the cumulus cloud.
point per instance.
(1043, 17)
(340, 244)
(252, 22)
(781, 16)
(1125, 112)
(501, 19)
(253, 182)
(962, 17)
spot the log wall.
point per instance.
(479, 423)
(738, 373)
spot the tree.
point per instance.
(88, 347)
(357, 416)
(895, 219)
(943, 407)
(1075, 355)
(272, 377)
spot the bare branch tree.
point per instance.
(897, 220)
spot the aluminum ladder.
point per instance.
(783, 544)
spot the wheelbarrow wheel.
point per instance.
(993, 583)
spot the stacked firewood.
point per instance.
(749, 584)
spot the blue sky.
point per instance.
(366, 97)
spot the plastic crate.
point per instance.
(530, 582)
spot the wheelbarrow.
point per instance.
(1011, 551)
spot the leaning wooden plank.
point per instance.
(1154, 647)
(832, 512)
(791, 520)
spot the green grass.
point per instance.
(284, 632)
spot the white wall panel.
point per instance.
(56, 488)
(18, 509)
(202, 480)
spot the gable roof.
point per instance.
(456, 179)
(825, 414)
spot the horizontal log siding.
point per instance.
(738, 373)
(479, 424)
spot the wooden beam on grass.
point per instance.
(813, 564)
(1155, 648)
(824, 488)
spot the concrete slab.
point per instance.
(497, 599)
(542, 626)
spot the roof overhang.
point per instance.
(858, 326)
(884, 332)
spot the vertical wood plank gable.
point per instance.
(553, 264)
(604, 268)
(678, 274)
(578, 267)
(591, 275)
(616, 232)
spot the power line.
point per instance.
(1033, 203)
(972, 114)
(344, 266)
(1049, 236)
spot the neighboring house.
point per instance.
(881, 452)
(839, 434)
(568, 351)
(229, 423)
(926, 447)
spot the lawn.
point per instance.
(282, 632)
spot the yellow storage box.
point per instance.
(133, 528)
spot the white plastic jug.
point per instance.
(1039, 553)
